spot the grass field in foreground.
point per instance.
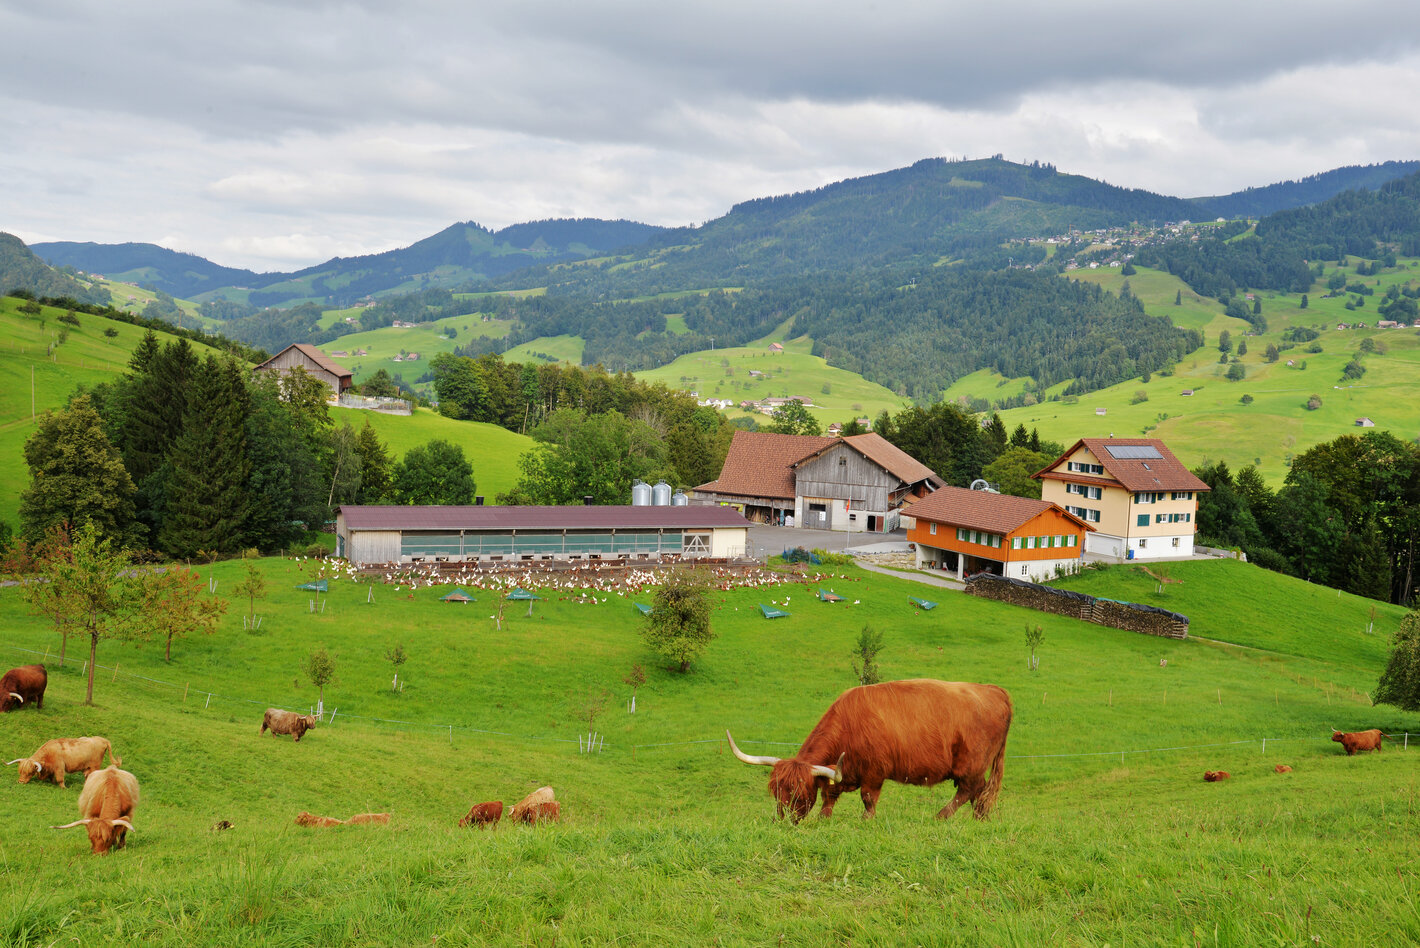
(667, 839)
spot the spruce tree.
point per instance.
(207, 494)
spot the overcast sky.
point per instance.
(275, 135)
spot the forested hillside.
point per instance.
(21, 270)
(1285, 248)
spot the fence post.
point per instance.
(1264, 745)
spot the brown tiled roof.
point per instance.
(887, 456)
(982, 510)
(760, 464)
(395, 517)
(1135, 474)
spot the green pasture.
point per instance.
(493, 451)
(564, 348)
(134, 299)
(32, 381)
(427, 339)
(1105, 832)
(724, 373)
(1213, 423)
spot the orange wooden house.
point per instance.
(971, 531)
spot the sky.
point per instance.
(276, 135)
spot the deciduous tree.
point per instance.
(678, 626)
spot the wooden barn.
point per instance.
(370, 535)
(857, 484)
(316, 364)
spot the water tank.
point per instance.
(680, 499)
(640, 494)
(661, 494)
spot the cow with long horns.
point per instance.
(107, 804)
(23, 685)
(58, 758)
(919, 732)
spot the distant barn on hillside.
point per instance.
(316, 364)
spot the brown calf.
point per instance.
(484, 814)
(1213, 776)
(548, 812)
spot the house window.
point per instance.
(961, 534)
(1145, 497)
(1070, 540)
(1143, 520)
(1030, 543)
(995, 541)
(1175, 541)
(1182, 495)
(1164, 518)
(1143, 543)
(1025, 569)
(1016, 543)
(932, 529)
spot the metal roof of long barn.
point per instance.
(395, 517)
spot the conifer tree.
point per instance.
(207, 495)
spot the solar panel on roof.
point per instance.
(1132, 452)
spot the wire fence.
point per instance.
(116, 673)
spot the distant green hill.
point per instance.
(457, 255)
(21, 269)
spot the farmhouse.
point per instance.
(1140, 499)
(369, 535)
(314, 362)
(974, 531)
(857, 484)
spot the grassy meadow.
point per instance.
(1105, 832)
(1213, 423)
(838, 395)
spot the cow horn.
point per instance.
(75, 823)
(125, 824)
(766, 761)
(18, 696)
(838, 768)
(38, 767)
(14, 762)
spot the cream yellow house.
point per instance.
(1140, 499)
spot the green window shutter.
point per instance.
(1143, 520)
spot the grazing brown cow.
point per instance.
(540, 795)
(548, 811)
(286, 722)
(368, 818)
(1359, 740)
(1282, 769)
(62, 756)
(310, 819)
(23, 685)
(919, 732)
(484, 814)
(107, 804)
(1213, 776)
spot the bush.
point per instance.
(1314, 403)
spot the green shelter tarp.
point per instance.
(771, 613)
(319, 586)
(457, 595)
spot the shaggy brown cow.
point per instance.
(1359, 740)
(62, 756)
(540, 795)
(286, 722)
(1213, 776)
(484, 814)
(23, 685)
(368, 818)
(548, 811)
(918, 732)
(1282, 769)
(107, 803)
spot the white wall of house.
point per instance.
(1142, 548)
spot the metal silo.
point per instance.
(640, 494)
(661, 494)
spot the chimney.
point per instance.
(586, 500)
(478, 500)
